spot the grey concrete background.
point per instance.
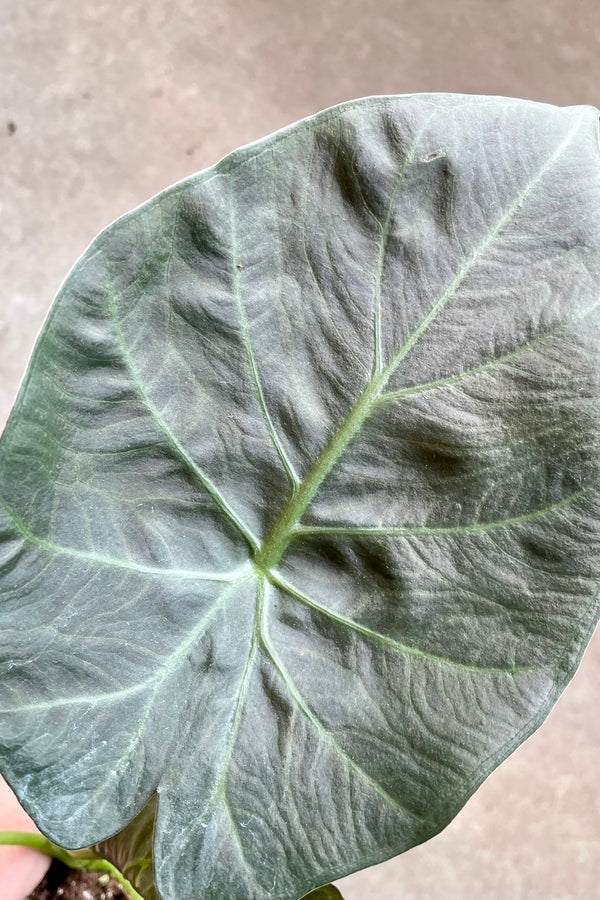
(104, 103)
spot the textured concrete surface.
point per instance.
(104, 103)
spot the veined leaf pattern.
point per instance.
(299, 517)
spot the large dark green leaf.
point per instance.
(300, 516)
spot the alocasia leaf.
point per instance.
(300, 496)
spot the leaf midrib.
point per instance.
(278, 539)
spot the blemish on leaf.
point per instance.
(435, 154)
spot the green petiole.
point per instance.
(92, 863)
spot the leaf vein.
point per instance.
(405, 649)
(172, 440)
(74, 553)
(327, 736)
(247, 341)
(450, 530)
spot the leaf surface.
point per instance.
(299, 517)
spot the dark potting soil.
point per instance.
(63, 883)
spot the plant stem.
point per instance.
(91, 863)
